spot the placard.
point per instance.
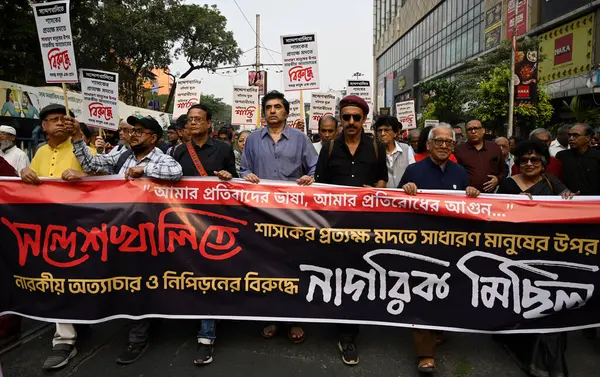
(321, 104)
(405, 112)
(56, 42)
(100, 92)
(362, 88)
(294, 115)
(300, 62)
(245, 106)
(432, 123)
(187, 93)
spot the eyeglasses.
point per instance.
(195, 120)
(56, 119)
(440, 142)
(125, 130)
(356, 117)
(139, 132)
(473, 129)
(533, 160)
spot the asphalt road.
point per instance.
(241, 351)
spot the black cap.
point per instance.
(55, 109)
(148, 123)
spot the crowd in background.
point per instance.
(462, 157)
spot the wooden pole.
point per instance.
(64, 88)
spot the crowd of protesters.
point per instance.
(443, 157)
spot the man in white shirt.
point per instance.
(327, 131)
(561, 143)
(398, 155)
(8, 149)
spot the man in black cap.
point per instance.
(142, 159)
(352, 159)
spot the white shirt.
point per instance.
(318, 147)
(556, 147)
(16, 157)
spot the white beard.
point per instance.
(6, 144)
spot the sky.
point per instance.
(344, 30)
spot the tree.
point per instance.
(442, 101)
(580, 112)
(205, 42)
(492, 98)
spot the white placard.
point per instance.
(431, 123)
(244, 110)
(54, 32)
(362, 88)
(321, 104)
(100, 92)
(187, 93)
(294, 114)
(300, 62)
(405, 112)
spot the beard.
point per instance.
(6, 144)
(138, 148)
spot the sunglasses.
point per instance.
(356, 117)
(533, 160)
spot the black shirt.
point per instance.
(215, 155)
(581, 171)
(341, 168)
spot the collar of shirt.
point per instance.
(398, 148)
(471, 146)
(209, 142)
(154, 156)
(5, 150)
(434, 165)
(265, 131)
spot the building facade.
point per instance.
(419, 40)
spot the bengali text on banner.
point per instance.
(104, 248)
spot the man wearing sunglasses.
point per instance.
(481, 158)
(352, 159)
(581, 164)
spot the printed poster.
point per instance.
(245, 106)
(54, 32)
(187, 94)
(405, 112)
(100, 92)
(300, 62)
(321, 104)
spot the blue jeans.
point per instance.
(207, 333)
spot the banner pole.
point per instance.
(64, 88)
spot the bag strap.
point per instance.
(195, 159)
(548, 182)
(121, 161)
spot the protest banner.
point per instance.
(187, 93)
(56, 42)
(201, 248)
(295, 113)
(405, 112)
(362, 88)
(431, 122)
(100, 92)
(300, 62)
(56, 95)
(245, 106)
(321, 104)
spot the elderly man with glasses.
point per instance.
(581, 164)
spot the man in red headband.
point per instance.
(352, 159)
